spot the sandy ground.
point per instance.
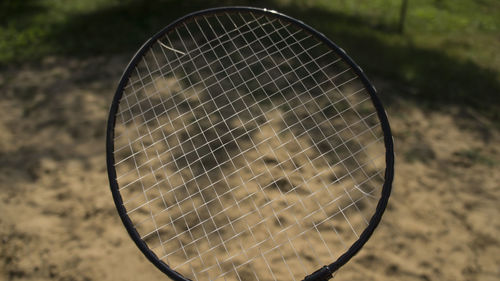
(58, 220)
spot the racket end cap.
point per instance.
(322, 274)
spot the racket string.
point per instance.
(320, 155)
(162, 166)
(193, 85)
(149, 154)
(242, 217)
(252, 120)
(250, 229)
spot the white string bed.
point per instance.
(246, 149)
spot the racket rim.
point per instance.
(381, 113)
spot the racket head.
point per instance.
(370, 91)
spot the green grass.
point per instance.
(467, 29)
(447, 56)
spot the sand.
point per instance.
(58, 220)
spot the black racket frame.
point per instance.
(322, 274)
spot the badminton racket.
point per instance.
(242, 144)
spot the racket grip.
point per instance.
(322, 274)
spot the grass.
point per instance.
(447, 56)
(465, 29)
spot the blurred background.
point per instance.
(435, 63)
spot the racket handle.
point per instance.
(322, 274)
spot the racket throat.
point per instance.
(322, 274)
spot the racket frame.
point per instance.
(323, 273)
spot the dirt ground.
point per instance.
(59, 222)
